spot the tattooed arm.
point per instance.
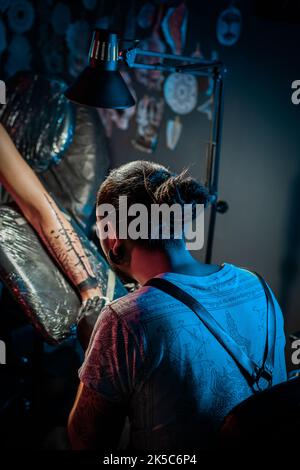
(43, 214)
(95, 423)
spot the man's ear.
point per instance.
(105, 230)
(107, 234)
(116, 245)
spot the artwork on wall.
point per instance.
(173, 132)
(174, 27)
(229, 26)
(60, 18)
(146, 16)
(148, 118)
(152, 79)
(53, 38)
(181, 94)
(20, 16)
(206, 108)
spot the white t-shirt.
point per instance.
(151, 352)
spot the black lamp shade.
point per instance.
(100, 84)
(100, 89)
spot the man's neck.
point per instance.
(146, 263)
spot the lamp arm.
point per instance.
(194, 64)
(168, 68)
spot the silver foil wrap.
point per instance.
(47, 130)
(38, 284)
(39, 118)
(75, 181)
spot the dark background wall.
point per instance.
(260, 167)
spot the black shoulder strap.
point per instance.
(253, 371)
(268, 361)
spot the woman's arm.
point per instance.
(43, 214)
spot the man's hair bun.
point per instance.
(181, 189)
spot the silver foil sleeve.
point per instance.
(37, 283)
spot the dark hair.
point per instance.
(147, 183)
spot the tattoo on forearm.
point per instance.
(65, 246)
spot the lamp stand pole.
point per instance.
(213, 162)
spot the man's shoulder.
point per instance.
(134, 303)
